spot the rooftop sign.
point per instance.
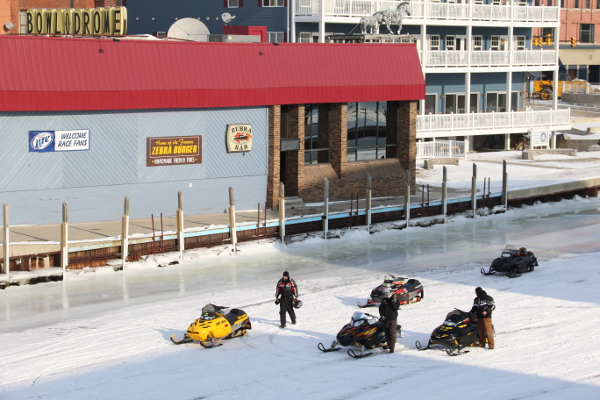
(71, 21)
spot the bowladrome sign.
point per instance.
(70, 21)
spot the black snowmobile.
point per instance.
(512, 262)
(411, 291)
(364, 332)
(458, 331)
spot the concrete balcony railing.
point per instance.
(448, 125)
(427, 11)
(487, 58)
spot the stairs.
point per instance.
(293, 202)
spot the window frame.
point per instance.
(477, 43)
(450, 42)
(354, 151)
(267, 3)
(271, 34)
(434, 39)
(309, 150)
(586, 35)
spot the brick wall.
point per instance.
(345, 178)
(274, 166)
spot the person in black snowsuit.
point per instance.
(483, 305)
(285, 293)
(388, 312)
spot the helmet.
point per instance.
(387, 293)
(297, 303)
(523, 250)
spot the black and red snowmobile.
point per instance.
(364, 332)
(513, 262)
(458, 331)
(411, 291)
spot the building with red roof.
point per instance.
(106, 118)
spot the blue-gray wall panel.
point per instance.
(105, 203)
(220, 164)
(109, 160)
(22, 170)
(94, 182)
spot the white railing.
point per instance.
(486, 58)
(425, 10)
(441, 149)
(444, 125)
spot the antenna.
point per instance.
(226, 17)
(189, 29)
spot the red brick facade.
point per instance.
(345, 178)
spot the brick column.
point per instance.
(274, 153)
(407, 137)
(338, 140)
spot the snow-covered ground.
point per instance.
(105, 335)
(545, 169)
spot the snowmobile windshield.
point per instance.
(358, 318)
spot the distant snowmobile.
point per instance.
(513, 262)
(458, 331)
(364, 332)
(214, 326)
(411, 291)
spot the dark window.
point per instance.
(586, 33)
(576, 5)
(316, 134)
(284, 122)
(367, 132)
(549, 4)
(588, 4)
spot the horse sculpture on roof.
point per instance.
(371, 23)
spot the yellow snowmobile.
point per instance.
(214, 326)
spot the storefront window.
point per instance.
(316, 134)
(367, 132)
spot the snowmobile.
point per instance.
(512, 263)
(364, 332)
(458, 331)
(411, 291)
(214, 326)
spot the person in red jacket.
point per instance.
(285, 293)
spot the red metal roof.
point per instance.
(46, 74)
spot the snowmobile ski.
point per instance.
(490, 272)
(456, 352)
(321, 347)
(368, 304)
(352, 354)
(420, 347)
(182, 341)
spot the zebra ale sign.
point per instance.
(239, 138)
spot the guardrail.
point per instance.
(430, 11)
(441, 149)
(436, 125)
